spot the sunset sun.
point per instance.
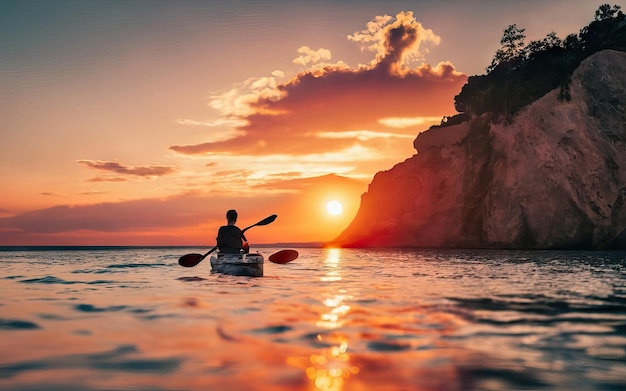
(334, 207)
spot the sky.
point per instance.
(143, 122)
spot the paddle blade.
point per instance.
(283, 256)
(190, 260)
(267, 220)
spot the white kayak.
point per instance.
(238, 264)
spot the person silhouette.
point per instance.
(230, 238)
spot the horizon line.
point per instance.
(121, 247)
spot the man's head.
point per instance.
(231, 216)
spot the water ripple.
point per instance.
(135, 265)
(15, 324)
(49, 280)
(334, 319)
(92, 308)
(113, 360)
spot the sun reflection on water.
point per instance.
(330, 369)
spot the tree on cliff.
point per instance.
(519, 74)
(512, 47)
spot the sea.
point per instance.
(131, 318)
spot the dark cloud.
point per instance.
(118, 168)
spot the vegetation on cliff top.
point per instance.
(521, 73)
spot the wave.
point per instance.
(49, 280)
(57, 280)
(16, 324)
(133, 265)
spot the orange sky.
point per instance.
(142, 123)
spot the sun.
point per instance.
(334, 207)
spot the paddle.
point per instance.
(283, 256)
(191, 260)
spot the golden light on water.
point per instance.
(332, 257)
(332, 263)
(332, 319)
(330, 370)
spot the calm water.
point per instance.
(132, 319)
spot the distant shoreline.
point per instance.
(91, 248)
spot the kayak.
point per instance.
(238, 264)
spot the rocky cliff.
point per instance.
(553, 177)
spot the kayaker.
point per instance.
(230, 239)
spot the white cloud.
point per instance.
(236, 102)
(406, 122)
(377, 37)
(362, 135)
(233, 122)
(308, 55)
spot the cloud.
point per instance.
(308, 55)
(362, 135)
(107, 179)
(86, 193)
(212, 124)
(93, 192)
(118, 168)
(295, 117)
(235, 104)
(116, 216)
(233, 173)
(405, 122)
(302, 184)
(190, 218)
(396, 43)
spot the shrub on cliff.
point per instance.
(519, 74)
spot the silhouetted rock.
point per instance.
(554, 177)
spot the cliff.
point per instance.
(553, 177)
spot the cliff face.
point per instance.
(553, 178)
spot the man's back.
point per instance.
(229, 239)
